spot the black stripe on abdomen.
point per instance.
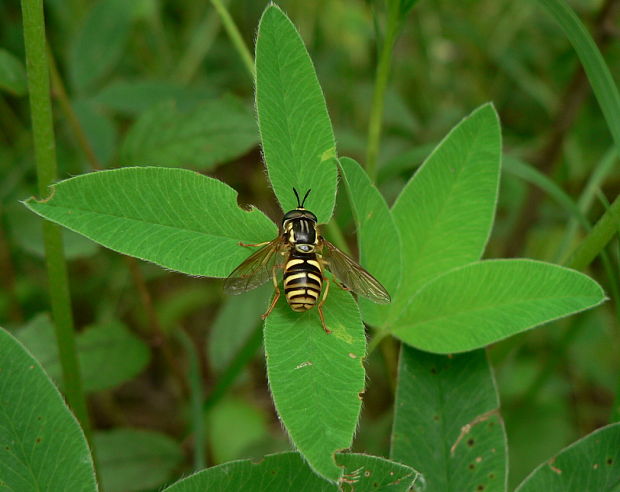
(302, 282)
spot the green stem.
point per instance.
(235, 37)
(45, 155)
(378, 98)
(597, 238)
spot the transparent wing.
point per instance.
(353, 276)
(255, 270)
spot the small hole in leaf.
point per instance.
(480, 487)
(609, 461)
(470, 442)
(38, 440)
(433, 370)
(472, 466)
(491, 475)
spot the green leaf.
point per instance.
(134, 97)
(288, 471)
(445, 213)
(598, 72)
(592, 463)
(175, 218)
(298, 140)
(100, 42)
(487, 301)
(42, 446)
(447, 423)
(12, 74)
(108, 345)
(213, 133)
(131, 459)
(234, 325)
(316, 379)
(378, 238)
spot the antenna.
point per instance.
(300, 203)
(297, 195)
(305, 196)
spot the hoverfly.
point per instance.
(303, 254)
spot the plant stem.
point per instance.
(45, 156)
(378, 97)
(597, 238)
(235, 37)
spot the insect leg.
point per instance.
(277, 293)
(320, 306)
(247, 245)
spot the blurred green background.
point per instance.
(141, 76)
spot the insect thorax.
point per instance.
(301, 233)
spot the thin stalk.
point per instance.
(45, 156)
(597, 238)
(378, 97)
(196, 399)
(235, 37)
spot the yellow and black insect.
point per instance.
(303, 255)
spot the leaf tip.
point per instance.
(487, 109)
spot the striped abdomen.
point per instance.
(302, 281)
